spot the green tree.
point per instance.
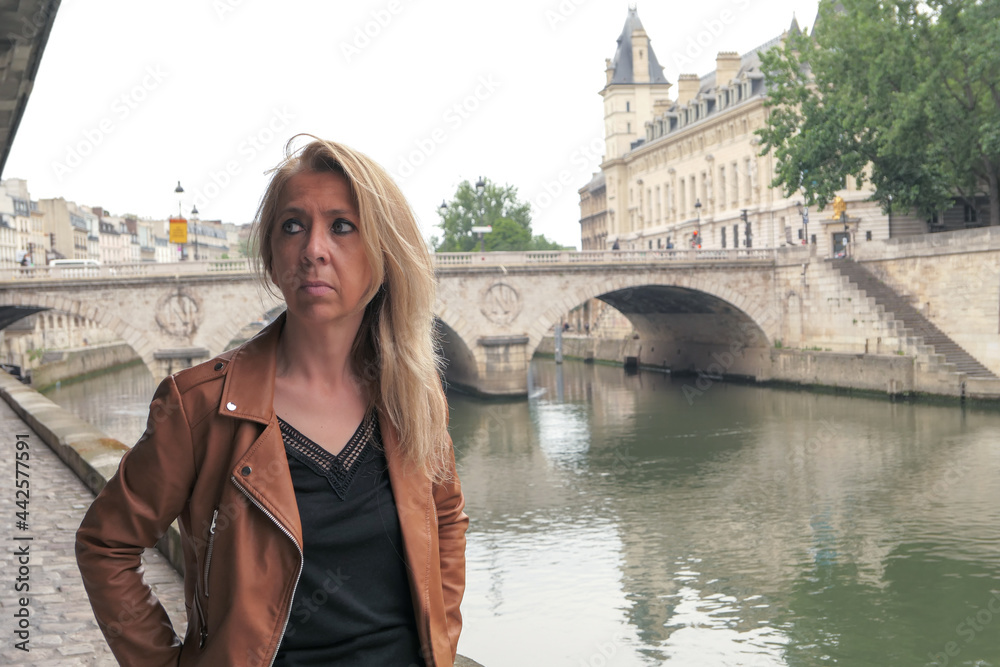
(903, 94)
(497, 207)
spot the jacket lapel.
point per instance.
(248, 394)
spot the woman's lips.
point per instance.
(316, 287)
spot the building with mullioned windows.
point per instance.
(685, 171)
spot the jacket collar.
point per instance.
(249, 385)
(248, 392)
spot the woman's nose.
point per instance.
(317, 249)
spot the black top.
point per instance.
(353, 604)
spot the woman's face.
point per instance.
(318, 259)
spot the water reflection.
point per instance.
(117, 402)
(752, 526)
(623, 520)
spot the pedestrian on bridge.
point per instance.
(310, 469)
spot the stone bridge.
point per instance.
(763, 313)
(494, 308)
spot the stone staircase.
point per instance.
(914, 325)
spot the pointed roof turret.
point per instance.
(622, 63)
(794, 28)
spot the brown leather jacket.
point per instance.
(212, 457)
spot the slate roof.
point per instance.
(622, 62)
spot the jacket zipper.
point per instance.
(301, 559)
(203, 635)
(211, 545)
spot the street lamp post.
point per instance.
(194, 219)
(804, 212)
(697, 233)
(847, 234)
(482, 229)
(180, 216)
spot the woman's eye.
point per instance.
(291, 226)
(342, 226)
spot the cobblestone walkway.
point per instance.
(62, 627)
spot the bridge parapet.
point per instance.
(609, 257)
(441, 260)
(118, 271)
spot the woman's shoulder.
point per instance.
(198, 390)
(213, 370)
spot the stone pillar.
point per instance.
(170, 360)
(503, 365)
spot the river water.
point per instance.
(627, 520)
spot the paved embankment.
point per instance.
(60, 624)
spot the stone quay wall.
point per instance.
(890, 374)
(81, 361)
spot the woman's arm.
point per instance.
(452, 524)
(132, 513)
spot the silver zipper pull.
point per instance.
(215, 515)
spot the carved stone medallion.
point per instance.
(179, 313)
(501, 304)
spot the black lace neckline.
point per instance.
(338, 469)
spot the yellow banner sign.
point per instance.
(178, 230)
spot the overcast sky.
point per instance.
(133, 96)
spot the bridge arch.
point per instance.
(460, 361)
(686, 321)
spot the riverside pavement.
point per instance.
(61, 626)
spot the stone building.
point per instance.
(23, 214)
(685, 171)
(207, 240)
(66, 226)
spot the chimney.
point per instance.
(727, 66)
(687, 87)
(640, 56)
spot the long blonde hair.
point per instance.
(394, 353)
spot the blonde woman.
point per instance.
(310, 469)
